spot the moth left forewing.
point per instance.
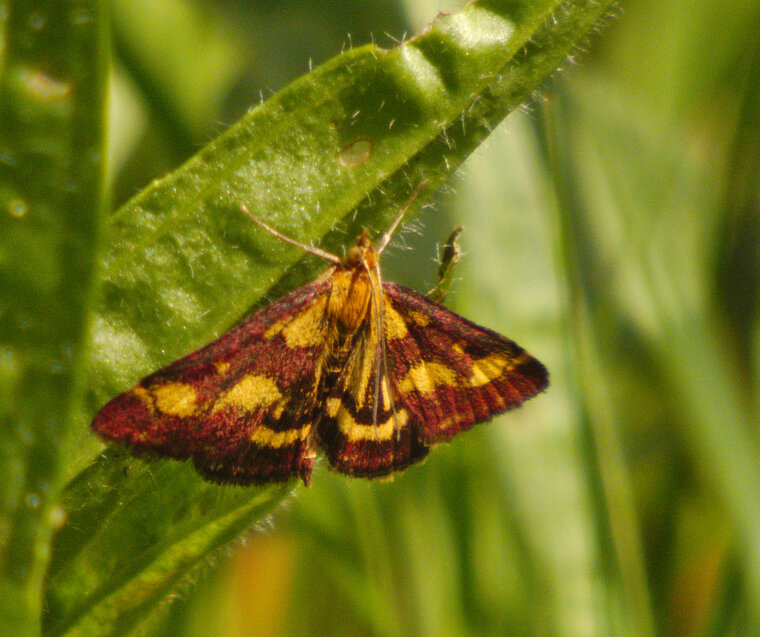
(449, 373)
(242, 407)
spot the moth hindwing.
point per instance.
(372, 373)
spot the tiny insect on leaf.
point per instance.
(371, 373)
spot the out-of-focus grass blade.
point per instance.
(540, 447)
(161, 58)
(644, 288)
(53, 71)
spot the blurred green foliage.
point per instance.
(612, 228)
(53, 87)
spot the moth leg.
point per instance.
(447, 260)
(306, 465)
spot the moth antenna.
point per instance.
(386, 238)
(310, 249)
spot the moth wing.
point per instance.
(361, 431)
(449, 373)
(243, 406)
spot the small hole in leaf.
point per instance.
(356, 153)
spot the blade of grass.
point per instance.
(52, 96)
(642, 287)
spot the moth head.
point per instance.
(360, 252)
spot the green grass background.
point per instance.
(611, 227)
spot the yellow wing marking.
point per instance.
(490, 367)
(359, 386)
(267, 438)
(275, 328)
(426, 376)
(305, 329)
(423, 320)
(355, 431)
(175, 399)
(252, 392)
(221, 367)
(395, 325)
(144, 396)
(362, 369)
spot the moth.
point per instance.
(372, 373)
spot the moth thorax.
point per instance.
(350, 298)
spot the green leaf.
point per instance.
(128, 541)
(336, 150)
(52, 96)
